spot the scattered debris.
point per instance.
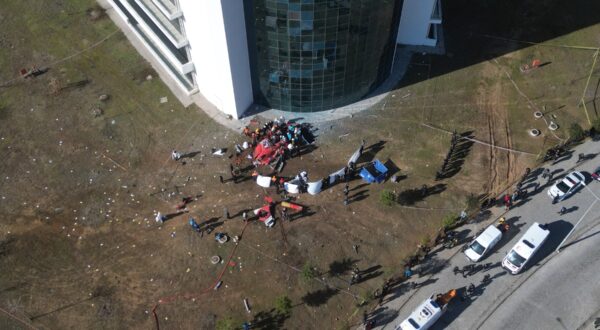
(218, 285)
(54, 86)
(246, 305)
(103, 97)
(33, 72)
(218, 152)
(221, 237)
(164, 99)
(97, 112)
(96, 13)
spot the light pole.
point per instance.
(573, 229)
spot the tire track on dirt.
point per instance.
(492, 153)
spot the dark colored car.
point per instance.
(596, 174)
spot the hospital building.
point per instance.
(289, 55)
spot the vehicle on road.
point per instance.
(526, 247)
(484, 242)
(567, 186)
(428, 312)
(596, 174)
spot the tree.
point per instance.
(387, 197)
(596, 125)
(576, 132)
(227, 323)
(283, 305)
(472, 202)
(449, 220)
(309, 272)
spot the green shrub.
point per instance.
(596, 125)
(387, 197)
(425, 240)
(227, 323)
(283, 305)
(309, 272)
(364, 298)
(449, 220)
(472, 203)
(576, 132)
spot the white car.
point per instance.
(483, 243)
(567, 186)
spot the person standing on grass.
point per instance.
(175, 155)
(160, 218)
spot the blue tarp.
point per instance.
(374, 172)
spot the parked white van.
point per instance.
(483, 243)
(525, 248)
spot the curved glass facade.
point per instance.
(312, 55)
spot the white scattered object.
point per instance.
(164, 99)
(218, 151)
(246, 305)
(263, 181)
(218, 285)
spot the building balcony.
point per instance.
(170, 8)
(432, 34)
(175, 60)
(171, 28)
(436, 15)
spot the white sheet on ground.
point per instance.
(263, 181)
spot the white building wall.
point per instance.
(414, 23)
(216, 32)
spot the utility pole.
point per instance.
(586, 86)
(573, 229)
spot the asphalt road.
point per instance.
(555, 291)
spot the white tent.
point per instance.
(333, 177)
(314, 187)
(291, 188)
(355, 155)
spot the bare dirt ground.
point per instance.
(79, 247)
